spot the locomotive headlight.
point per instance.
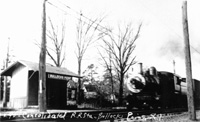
(135, 83)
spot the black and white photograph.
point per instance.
(100, 60)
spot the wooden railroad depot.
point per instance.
(24, 85)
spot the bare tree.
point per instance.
(58, 43)
(108, 64)
(56, 46)
(86, 35)
(121, 46)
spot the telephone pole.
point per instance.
(42, 65)
(175, 79)
(5, 77)
(190, 95)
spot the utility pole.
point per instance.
(175, 79)
(177, 84)
(5, 77)
(190, 95)
(174, 68)
(42, 65)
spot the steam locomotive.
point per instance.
(159, 89)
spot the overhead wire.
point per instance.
(57, 7)
(90, 20)
(86, 22)
(81, 14)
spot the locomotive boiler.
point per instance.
(156, 89)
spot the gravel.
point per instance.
(183, 117)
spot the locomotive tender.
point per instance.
(158, 89)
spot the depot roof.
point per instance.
(35, 67)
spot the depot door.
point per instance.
(56, 94)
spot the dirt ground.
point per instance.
(184, 117)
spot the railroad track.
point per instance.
(93, 116)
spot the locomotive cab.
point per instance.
(173, 90)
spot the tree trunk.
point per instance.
(79, 84)
(121, 89)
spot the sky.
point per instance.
(160, 42)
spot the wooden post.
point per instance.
(190, 95)
(5, 77)
(78, 97)
(42, 66)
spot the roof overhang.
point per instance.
(35, 67)
(8, 71)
